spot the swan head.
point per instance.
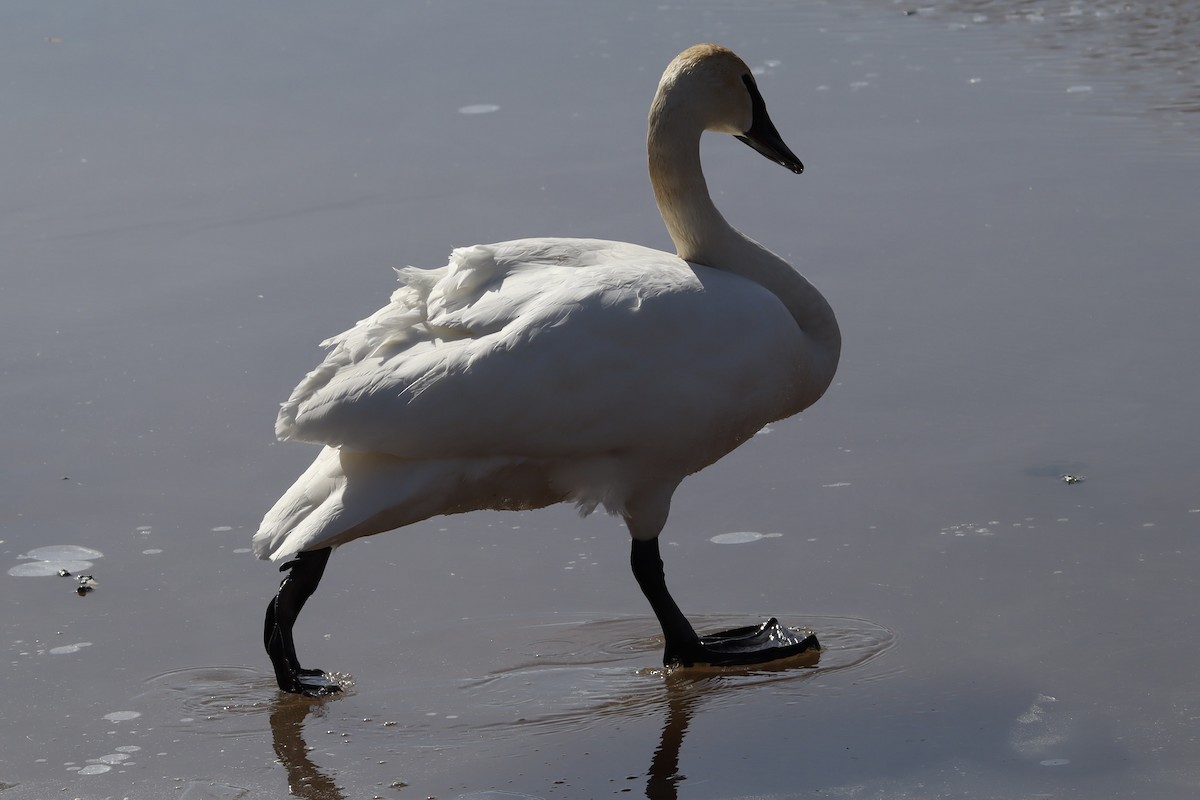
(710, 87)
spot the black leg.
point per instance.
(756, 644)
(303, 575)
(681, 640)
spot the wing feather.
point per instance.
(526, 348)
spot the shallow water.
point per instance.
(999, 201)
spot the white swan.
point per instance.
(539, 371)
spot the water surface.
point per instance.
(999, 201)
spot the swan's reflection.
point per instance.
(305, 779)
(663, 778)
(683, 693)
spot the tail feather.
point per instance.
(310, 507)
(344, 495)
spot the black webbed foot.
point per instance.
(308, 682)
(316, 683)
(753, 644)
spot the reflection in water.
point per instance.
(1148, 48)
(683, 693)
(663, 777)
(586, 674)
(222, 703)
(305, 779)
(686, 691)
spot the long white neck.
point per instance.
(703, 236)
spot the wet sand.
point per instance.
(1000, 206)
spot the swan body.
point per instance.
(538, 371)
(528, 373)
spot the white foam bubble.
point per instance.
(94, 769)
(742, 537)
(30, 569)
(122, 716)
(479, 108)
(111, 758)
(48, 560)
(63, 552)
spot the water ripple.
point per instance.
(215, 701)
(585, 672)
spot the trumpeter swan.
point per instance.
(538, 371)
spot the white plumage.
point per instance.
(577, 369)
(537, 371)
